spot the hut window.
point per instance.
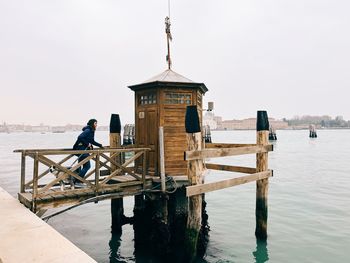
(177, 98)
(149, 98)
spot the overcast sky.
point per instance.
(66, 61)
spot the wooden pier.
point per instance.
(169, 147)
(43, 188)
(123, 171)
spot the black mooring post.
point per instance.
(117, 207)
(262, 128)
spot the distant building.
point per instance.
(58, 129)
(209, 119)
(73, 127)
(4, 128)
(250, 124)
(40, 128)
(216, 123)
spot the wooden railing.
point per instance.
(214, 150)
(48, 173)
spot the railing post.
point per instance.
(195, 170)
(144, 168)
(97, 172)
(35, 180)
(23, 172)
(162, 158)
(262, 185)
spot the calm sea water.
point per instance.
(309, 201)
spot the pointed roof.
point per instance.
(169, 78)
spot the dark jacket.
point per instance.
(85, 138)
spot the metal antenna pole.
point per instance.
(169, 38)
(169, 9)
(168, 34)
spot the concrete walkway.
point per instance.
(24, 237)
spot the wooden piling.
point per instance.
(263, 184)
(35, 180)
(23, 172)
(195, 170)
(117, 206)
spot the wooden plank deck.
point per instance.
(124, 185)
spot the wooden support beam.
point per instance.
(66, 171)
(212, 153)
(41, 212)
(35, 175)
(23, 172)
(102, 164)
(97, 172)
(227, 145)
(70, 151)
(230, 168)
(122, 167)
(48, 170)
(144, 169)
(209, 187)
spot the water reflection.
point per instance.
(114, 251)
(261, 254)
(114, 245)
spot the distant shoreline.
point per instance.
(287, 129)
(219, 130)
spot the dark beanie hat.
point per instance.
(91, 122)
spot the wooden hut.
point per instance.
(161, 102)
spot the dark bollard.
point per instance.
(262, 128)
(117, 207)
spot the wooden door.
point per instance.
(147, 135)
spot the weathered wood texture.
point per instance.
(56, 186)
(114, 142)
(209, 187)
(227, 145)
(56, 198)
(171, 116)
(23, 172)
(195, 177)
(173, 119)
(261, 188)
(213, 153)
(35, 179)
(174, 139)
(146, 128)
(70, 151)
(230, 168)
(117, 204)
